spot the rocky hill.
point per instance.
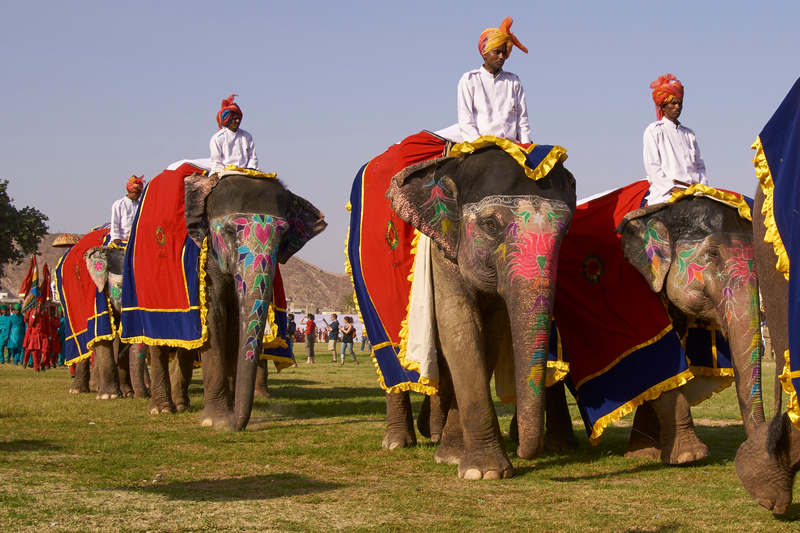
(304, 283)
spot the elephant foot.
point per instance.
(645, 441)
(560, 441)
(766, 464)
(684, 450)
(485, 465)
(156, 407)
(261, 393)
(126, 392)
(394, 439)
(181, 407)
(78, 390)
(644, 453)
(142, 394)
(107, 396)
(217, 422)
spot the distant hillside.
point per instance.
(304, 283)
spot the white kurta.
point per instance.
(233, 148)
(671, 155)
(492, 105)
(122, 213)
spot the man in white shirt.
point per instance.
(232, 145)
(671, 157)
(124, 210)
(490, 100)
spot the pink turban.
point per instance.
(665, 89)
(492, 38)
(135, 183)
(227, 110)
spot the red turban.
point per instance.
(492, 38)
(135, 184)
(665, 88)
(227, 111)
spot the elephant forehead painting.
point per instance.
(520, 231)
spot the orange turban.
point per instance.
(227, 110)
(492, 38)
(135, 183)
(665, 88)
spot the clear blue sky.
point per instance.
(93, 92)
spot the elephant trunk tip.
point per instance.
(528, 450)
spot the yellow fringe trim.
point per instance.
(556, 371)
(767, 187)
(793, 409)
(650, 394)
(414, 366)
(177, 343)
(78, 359)
(249, 172)
(732, 200)
(111, 336)
(425, 386)
(556, 155)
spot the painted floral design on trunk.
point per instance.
(246, 245)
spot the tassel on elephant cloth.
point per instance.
(86, 309)
(777, 164)
(384, 253)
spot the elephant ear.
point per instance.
(425, 196)
(197, 188)
(97, 263)
(305, 222)
(647, 245)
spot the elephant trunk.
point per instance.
(253, 321)
(530, 308)
(742, 324)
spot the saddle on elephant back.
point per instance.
(389, 260)
(87, 316)
(614, 336)
(163, 293)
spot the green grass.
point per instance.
(311, 460)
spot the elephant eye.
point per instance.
(490, 225)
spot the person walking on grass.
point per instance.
(348, 333)
(291, 329)
(311, 337)
(333, 334)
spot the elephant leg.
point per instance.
(645, 440)
(94, 375)
(218, 374)
(559, 436)
(399, 421)
(452, 447)
(679, 442)
(123, 368)
(136, 358)
(262, 373)
(439, 405)
(108, 374)
(160, 390)
(180, 377)
(80, 383)
(768, 461)
(146, 373)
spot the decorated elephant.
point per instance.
(698, 253)
(495, 220)
(768, 461)
(250, 224)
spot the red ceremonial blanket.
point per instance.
(598, 291)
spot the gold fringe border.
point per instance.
(733, 200)
(650, 394)
(767, 187)
(793, 409)
(556, 371)
(557, 154)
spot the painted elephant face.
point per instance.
(512, 236)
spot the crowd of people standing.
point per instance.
(34, 338)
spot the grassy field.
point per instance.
(311, 460)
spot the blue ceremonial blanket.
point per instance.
(777, 163)
(86, 310)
